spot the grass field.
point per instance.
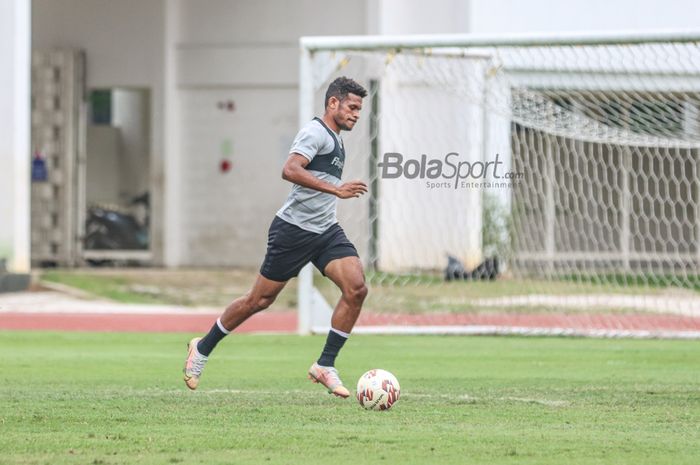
(210, 287)
(88, 398)
(388, 293)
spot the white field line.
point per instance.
(54, 302)
(678, 305)
(484, 330)
(466, 397)
(51, 302)
(316, 393)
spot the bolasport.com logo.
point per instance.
(449, 172)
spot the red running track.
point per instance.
(286, 322)
(159, 323)
(582, 321)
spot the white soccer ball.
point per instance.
(378, 390)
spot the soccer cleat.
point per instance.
(194, 364)
(328, 376)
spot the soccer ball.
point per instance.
(378, 390)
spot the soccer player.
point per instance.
(306, 230)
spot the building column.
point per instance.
(173, 242)
(15, 133)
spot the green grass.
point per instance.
(690, 282)
(407, 295)
(388, 292)
(88, 398)
(115, 288)
(189, 287)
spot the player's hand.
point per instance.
(351, 189)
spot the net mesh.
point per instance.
(520, 180)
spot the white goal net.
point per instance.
(519, 184)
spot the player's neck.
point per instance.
(330, 122)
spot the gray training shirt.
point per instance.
(306, 208)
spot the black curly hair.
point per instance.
(341, 87)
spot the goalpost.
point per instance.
(567, 166)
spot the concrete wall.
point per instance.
(14, 134)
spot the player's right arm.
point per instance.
(295, 171)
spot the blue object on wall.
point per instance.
(39, 171)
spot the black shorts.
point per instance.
(289, 248)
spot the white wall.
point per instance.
(118, 165)
(103, 178)
(14, 133)
(131, 114)
(418, 224)
(447, 222)
(495, 16)
(245, 52)
(387, 17)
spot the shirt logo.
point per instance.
(338, 163)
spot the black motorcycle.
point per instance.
(112, 228)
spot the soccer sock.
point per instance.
(208, 342)
(334, 342)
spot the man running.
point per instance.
(306, 230)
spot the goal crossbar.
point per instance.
(373, 42)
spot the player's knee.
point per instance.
(264, 302)
(258, 303)
(356, 294)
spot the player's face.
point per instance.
(348, 112)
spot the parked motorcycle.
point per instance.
(114, 228)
